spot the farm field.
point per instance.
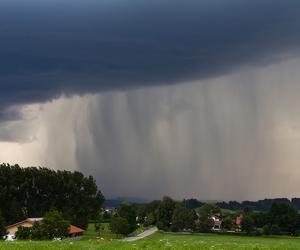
(165, 241)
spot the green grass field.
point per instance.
(164, 241)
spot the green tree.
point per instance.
(31, 192)
(285, 216)
(208, 210)
(38, 232)
(165, 213)
(97, 223)
(275, 229)
(247, 224)
(266, 230)
(205, 213)
(119, 225)
(128, 212)
(248, 211)
(228, 223)
(2, 226)
(150, 220)
(183, 218)
(54, 225)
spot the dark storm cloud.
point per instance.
(52, 47)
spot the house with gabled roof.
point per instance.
(74, 232)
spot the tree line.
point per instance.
(31, 192)
(170, 215)
(260, 205)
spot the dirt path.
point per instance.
(142, 235)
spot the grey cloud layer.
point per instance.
(52, 47)
(212, 139)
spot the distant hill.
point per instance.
(115, 202)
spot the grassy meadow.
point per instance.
(164, 241)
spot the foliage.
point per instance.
(97, 222)
(183, 218)
(260, 205)
(285, 216)
(165, 213)
(119, 225)
(275, 229)
(150, 220)
(192, 203)
(152, 207)
(205, 212)
(37, 232)
(128, 212)
(247, 224)
(261, 219)
(141, 213)
(2, 226)
(228, 223)
(30, 192)
(105, 216)
(54, 225)
(24, 233)
(266, 230)
(208, 210)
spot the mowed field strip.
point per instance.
(165, 241)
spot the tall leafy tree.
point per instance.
(247, 224)
(165, 213)
(31, 192)
(285, 216)
(128, 212)
(205, 213)
(2, 226)
(54, 225)
(183, 218)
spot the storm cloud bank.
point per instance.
(211, 139)
(50, 48)
(186, 98)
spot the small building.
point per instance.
(238, 222)
(74, 232)
(217, 222)
(12, 229)
(111, 210)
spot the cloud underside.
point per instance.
(49, 49)
(211, 139)
(220, 121)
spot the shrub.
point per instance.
(266, 230)
(275, 229)
(119, 225)
(24, 233)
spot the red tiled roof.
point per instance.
(238, 220)
(75, 230)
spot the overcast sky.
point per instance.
(185, 98)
